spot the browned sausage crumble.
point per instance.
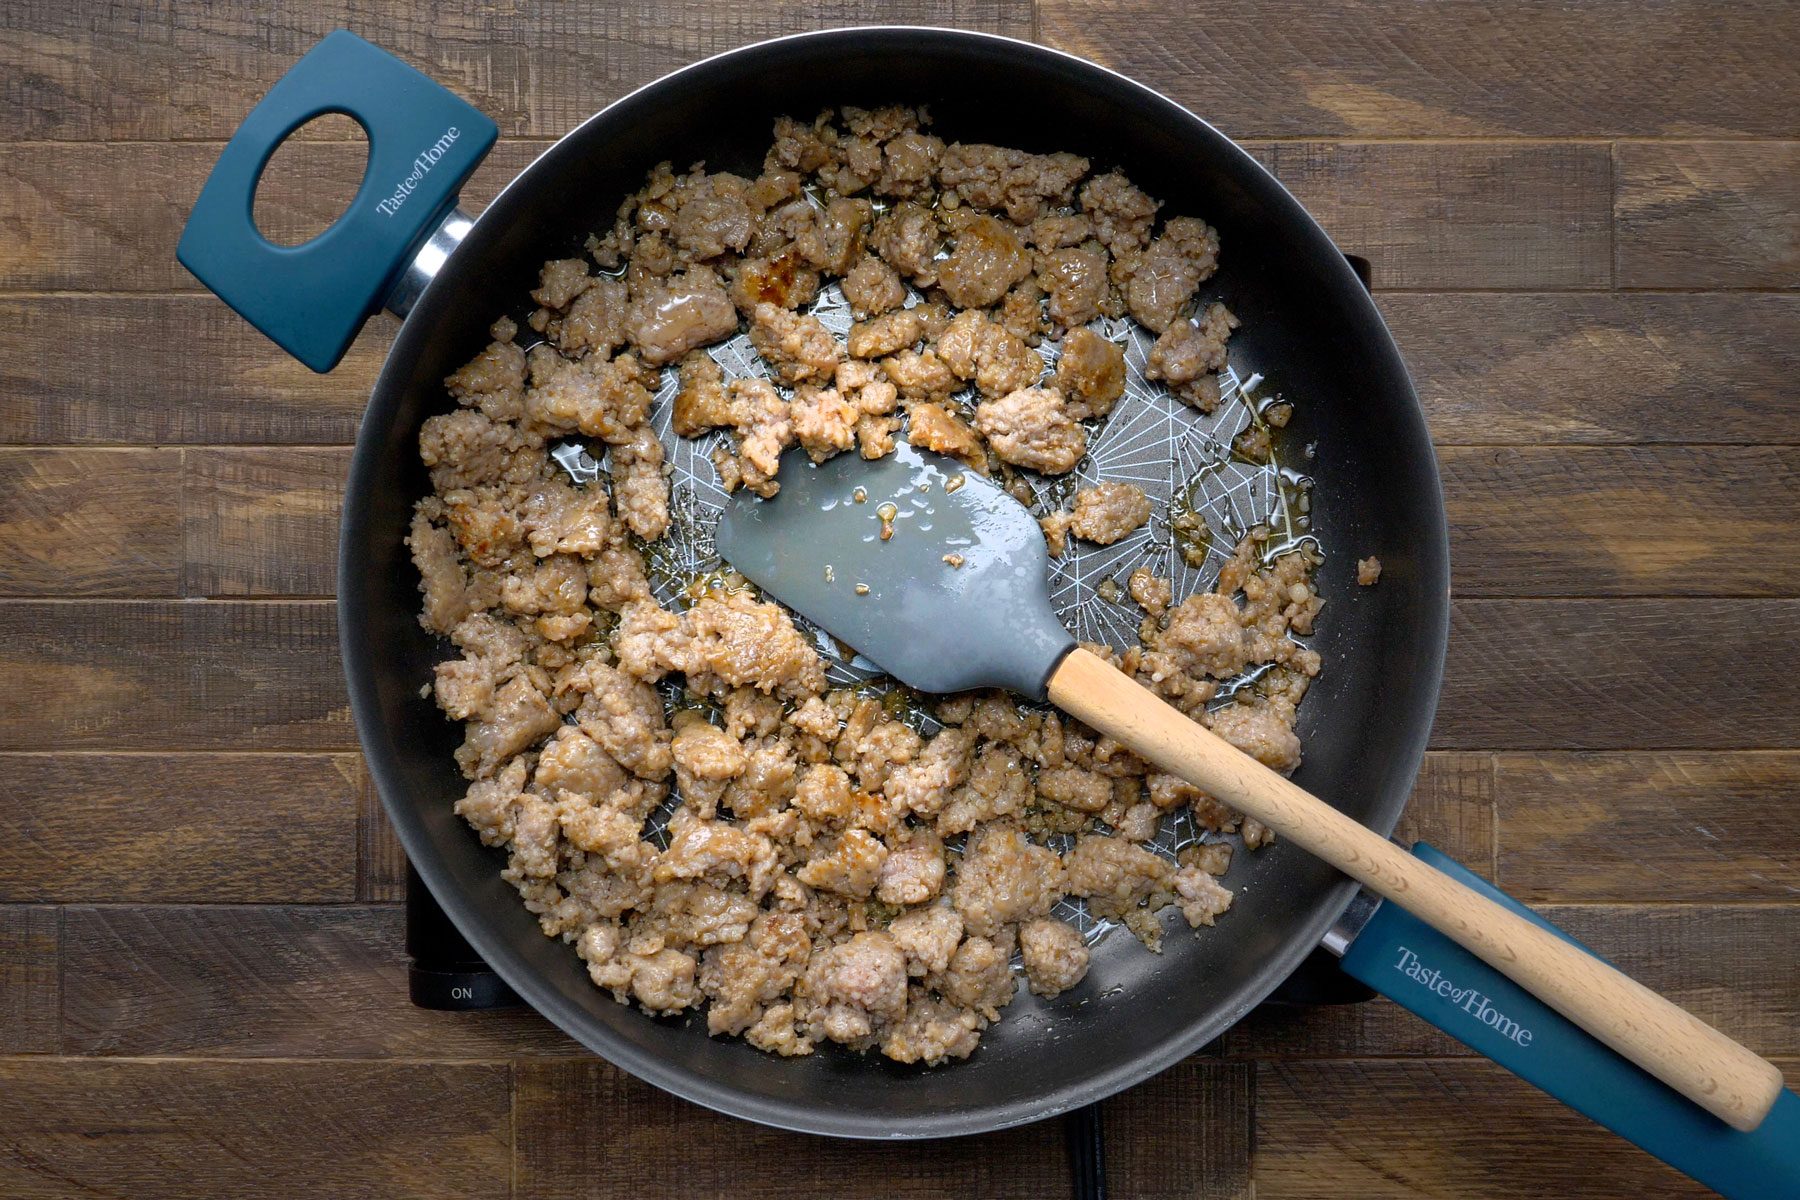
(821, 869)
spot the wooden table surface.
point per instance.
(1584, 220)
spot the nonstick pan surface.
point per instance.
(1308, 326)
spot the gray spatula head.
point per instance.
(901, 601)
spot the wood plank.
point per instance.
(171, 675)
(380, 862)
(1447, 214)
(253, 1130)
(1708, 214)
(223, 981)
(1450, 215)
(1445, 1129)
(1609, 521)
(261, 522)
(1619, 675)
(163, 369)
(560, 1103)
(183, 827)
(1714, 960)
(1521, 674)
(90, 523)
(1183, 1133)
(1514, 368)
(1543, 68)
(1649, 827)
(30, 979)
(1529, 521)
(1526, 521)
(1532, 369)
(90, 71)
(76, 233)
(1452, 807)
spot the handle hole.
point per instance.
(311, 179)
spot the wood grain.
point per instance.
(248, 1131)
(163, 828)
(1452, 807)
(380, 862)
(1523, 368)
(1452, 1130)
(90, 523)
(1708, 214)
(1649, 828)
(1347, 67)
(1713, 960)
(171, 675)
(1606, 521)
(1459, 215)
(1184, 1133)
(90, 71)
(1540, 674)
(1619, 674)
(559, 1104)
(168, 369)
(1191, 1123)
(1527, 521)
(306, 981)
(261, 522)
(30, 979)
(1446, 214)
(1599, 368)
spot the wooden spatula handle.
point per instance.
(1664, 1039)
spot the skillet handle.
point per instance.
(1425, 972)
(311, 299)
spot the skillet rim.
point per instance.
(374, 736)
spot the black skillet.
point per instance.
(1309, 327)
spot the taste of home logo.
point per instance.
(1468, 999)
(422, 165)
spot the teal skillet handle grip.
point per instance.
(312, 299)
(1427, 973)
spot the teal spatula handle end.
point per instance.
(311, 299)
(1425, 972)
